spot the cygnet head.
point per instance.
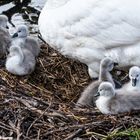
(134, 75)
(108, 64)
(106, 89)
(3, 21)
(22, 32)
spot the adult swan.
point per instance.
(89, 30)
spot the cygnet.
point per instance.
(5, 38)
(87, 97)
(30, 43)
(20, 61)
(134, 83)
(111, 101)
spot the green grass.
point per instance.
(131, 134)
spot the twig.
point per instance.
(16, 128)
(75, 134)
(34, 122)
(40, 37)
(122, 79)
(40, 112)
(4, 126)
(38, 134)
(96, 134)
(74, 127)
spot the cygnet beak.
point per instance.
(134, 82)
(7, 27)
(15, 35)
(97, 94)
(116, 64)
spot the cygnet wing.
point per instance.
(5, 37)
(33, 45)
(88, 95)
(29, 61)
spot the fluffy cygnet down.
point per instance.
(111, 101)
(20, 61)
(5, 38)
(30, 43)
(87, 97)
(134, 83)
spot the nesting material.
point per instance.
(40, 105)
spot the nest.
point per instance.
(40, 106)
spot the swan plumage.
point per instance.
(89, 30)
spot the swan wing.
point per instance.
(92, 23)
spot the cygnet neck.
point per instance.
(137, 84)
(104, 75)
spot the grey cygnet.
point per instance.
(5, 38)
(30, 43)
(111, 101)
(87, 97)
(20, 61)
(134, 83)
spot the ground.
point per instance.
(41, 106)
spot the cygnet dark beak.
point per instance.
(134, 82)
(7, 27)
(15, 35)
(97, 94)
(116, 64)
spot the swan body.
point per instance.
(89, 30)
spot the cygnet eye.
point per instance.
(137, 75)
(19, 31)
